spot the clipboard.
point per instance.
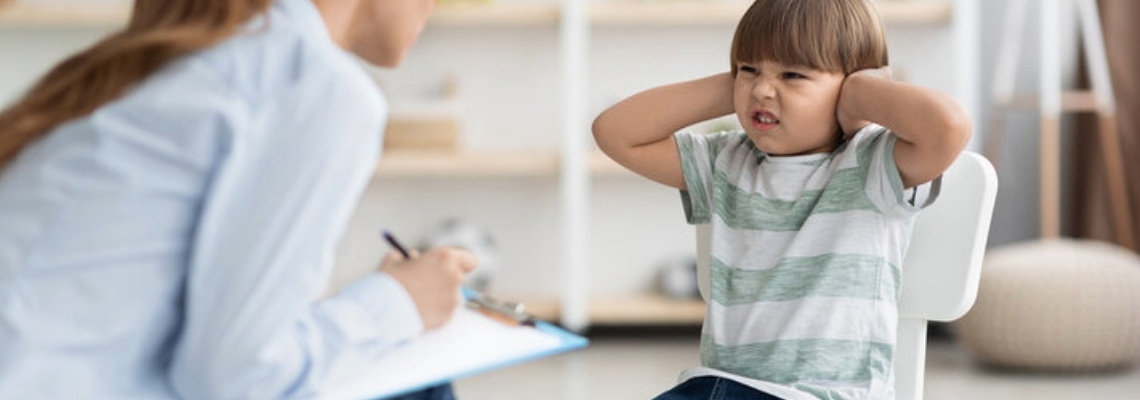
(482, 336)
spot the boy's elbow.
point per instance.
(602, 130)
(959, 129)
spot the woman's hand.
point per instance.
(849, 122)
(432, 279)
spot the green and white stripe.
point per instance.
(820, 235)
(829, 276)
(805, 254)
(848, 319)
(803, 360)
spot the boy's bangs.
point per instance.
(828, 35)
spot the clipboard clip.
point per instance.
(507, 312)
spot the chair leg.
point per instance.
(910, 359)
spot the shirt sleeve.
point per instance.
(698, 163)
(884, 181)
(280, 198)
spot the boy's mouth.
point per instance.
(764, 120)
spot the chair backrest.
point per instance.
(942, 267)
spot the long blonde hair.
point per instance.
(159, 31)
(831, 35)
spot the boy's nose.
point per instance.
(763, 89)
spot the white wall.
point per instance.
(635, 225)
(25, 54)
(508, 81)
(1016, 214)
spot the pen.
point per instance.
(395, 243)
(512, 313)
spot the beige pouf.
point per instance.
(1056, 305)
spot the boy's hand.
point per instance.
(848, 122)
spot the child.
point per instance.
(810, 205)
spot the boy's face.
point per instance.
(787, 110)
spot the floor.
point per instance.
(635, 368)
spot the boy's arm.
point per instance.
(638, 131)
(931, 127)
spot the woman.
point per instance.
(171, 198)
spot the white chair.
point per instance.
(942, 266)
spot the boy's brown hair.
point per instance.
(831, 35)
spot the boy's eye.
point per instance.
(793, 75)
(748, 69)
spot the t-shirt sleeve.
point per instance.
(698, 162)
(876, 147)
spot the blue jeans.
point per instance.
(713, 388)
(441, 392)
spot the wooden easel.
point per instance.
(1053, 101)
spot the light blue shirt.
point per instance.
(176, 243)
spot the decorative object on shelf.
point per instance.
(457, 232)
(1056, 305)
(422, 131)
(426, 127)
(677, 278)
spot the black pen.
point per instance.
(395, 243)
(511, 312)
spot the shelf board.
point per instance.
(496, 14)
(20, 14)
(476, 164)
(645, 309)
(712, 13)
(911, 12)
(602, 165)
(409, 163)
(678, 13)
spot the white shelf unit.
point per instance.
(602, 23)
(588, 228)
(24, 13)
(476, 14)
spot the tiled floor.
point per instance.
(639, 369)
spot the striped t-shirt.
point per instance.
(805, 269)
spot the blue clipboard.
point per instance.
(481, 337)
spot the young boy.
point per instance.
(810, 205)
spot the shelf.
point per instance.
(645, 309)
(679, 13)
(19, 14)
(494, 14)
(911, 12)
(410, 163)
(481, 164)
(602, 165)
(709, 13)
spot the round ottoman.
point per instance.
(1056, 305)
